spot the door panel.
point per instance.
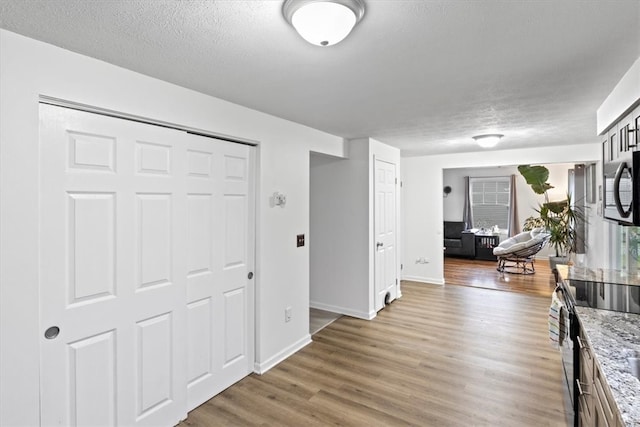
(385, 233)
(92, 366)
(219, 293)
(235, 231)
(235, 329)
(200, 341)
(111, 226)
(153, 239)
(154, 340)
(91, 247)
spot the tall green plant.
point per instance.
(559, 217)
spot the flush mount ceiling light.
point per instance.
(489, 140)
(323, 22)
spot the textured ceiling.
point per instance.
(424, 76)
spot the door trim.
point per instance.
(50, 100)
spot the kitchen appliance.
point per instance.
(621, 198)
(601, 289)
(569, 348)
(607, 296)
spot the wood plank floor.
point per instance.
(439, 356)
(483, 274)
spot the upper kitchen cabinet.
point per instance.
(624, 125)
(611, 150)
(635, 125)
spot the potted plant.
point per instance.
(559, 218)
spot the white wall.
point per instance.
(623, 96)
(339, 258)
(423, 202)
(28, 69)
(342, 234)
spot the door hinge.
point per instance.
(396, 282)
(401, 266)
(396, 181)
(400, 184)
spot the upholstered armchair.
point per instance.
(458, 241)
(517, 253)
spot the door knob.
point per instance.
(51, 332)
(379, 245)
(250, 275)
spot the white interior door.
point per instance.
(125, 235)
(220, 261)
(385, 232)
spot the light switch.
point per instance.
(300, 240)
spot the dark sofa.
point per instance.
(457, 241)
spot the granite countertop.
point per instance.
(613, 337)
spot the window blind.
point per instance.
(490, 202)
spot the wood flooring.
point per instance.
(320, 319)
(439, 356)
(483, 274)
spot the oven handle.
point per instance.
(565, 297)
(580, 392)
(581, 346)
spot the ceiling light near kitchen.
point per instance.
(323, 22)
(489, 140)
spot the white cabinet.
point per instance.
(596, 406)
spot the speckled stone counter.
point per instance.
(613, 337)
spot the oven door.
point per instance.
(618, 192)
(568, 347)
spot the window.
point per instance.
(490, 202)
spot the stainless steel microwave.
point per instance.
(621, 199)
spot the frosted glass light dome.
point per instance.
(488, 141)
(323, 22)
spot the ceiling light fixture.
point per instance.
(489, 140)
(323, 22)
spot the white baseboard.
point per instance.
(343, 310)
(261, 368)
(428, 280)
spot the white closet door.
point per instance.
(112, 271)
(220, 259)
(385, 232)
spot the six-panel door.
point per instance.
(385, 232)
(134, 219)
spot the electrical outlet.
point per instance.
(300, 240)
(287, 314)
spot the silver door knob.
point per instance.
(51, 332)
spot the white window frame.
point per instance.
(490, 179)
